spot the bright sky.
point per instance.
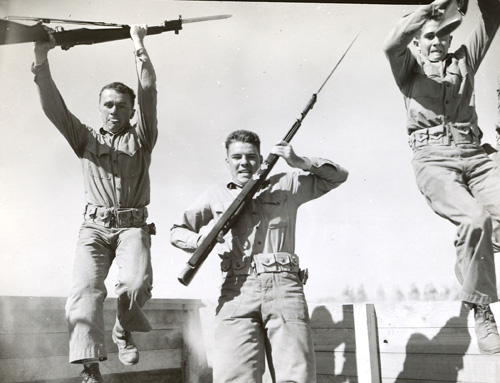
(257, 71)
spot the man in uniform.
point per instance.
(262, 311)
(453, 171)
(115, 161)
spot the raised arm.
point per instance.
(396, 44)
(51, 100)
(486, 27)
(147, 123)
(321, 177)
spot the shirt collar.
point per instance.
(233, 185)
(104, 132)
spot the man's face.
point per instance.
(116, 110)
(243, 160)
(433, 47)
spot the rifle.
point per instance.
(233, 212)
(12, 32)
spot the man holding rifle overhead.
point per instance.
(115, 161)
(262, 312)
(453, 171)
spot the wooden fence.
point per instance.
(34, 343)
(408, 342)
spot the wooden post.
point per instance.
(367, 351)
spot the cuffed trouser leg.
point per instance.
(463, 186)
(84, 306)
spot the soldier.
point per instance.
(115, 161)
(453, 171)
(262, 311)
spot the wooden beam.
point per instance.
(367, 353)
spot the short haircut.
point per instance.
(243, 136)
(120, 88)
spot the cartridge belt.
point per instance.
(261, 263)
(445, 135)
(115, 217)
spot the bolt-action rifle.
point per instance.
(233, 212)
(12, 32)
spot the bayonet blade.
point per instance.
(206, 18)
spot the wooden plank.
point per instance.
(424, 314)
(336, 379)
(332, 316)
(329, 363)
(444, 368)
(329, 339)
(156, 376)
(56, 303)
(367, 355)
(56, 344)
(447, 340)
(27, 321)
(33, 369)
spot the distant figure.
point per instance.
(262, 311)
(453, 171)
(115, 163)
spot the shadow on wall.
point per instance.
(418, 344)
(334, 344)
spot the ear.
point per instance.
(416, 43)
(132, 114)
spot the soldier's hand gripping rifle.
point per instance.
(231, 215)
(12, 32)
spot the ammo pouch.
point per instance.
(448, 134)
(276, 262)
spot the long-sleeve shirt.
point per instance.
(267, 225)
(442, 95)
(115, 166)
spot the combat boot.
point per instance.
(91, 373)
(127, 351)
(488, 338)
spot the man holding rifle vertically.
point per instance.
(115, 161)
(262, 312)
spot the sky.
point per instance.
(256, 70)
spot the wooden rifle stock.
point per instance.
(226, 221)
(81, 36)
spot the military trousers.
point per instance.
(462, 184)
(259, 317)
(97, 248)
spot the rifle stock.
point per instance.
(234, 210)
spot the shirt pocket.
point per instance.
(130, 165)
(425, 88)
(97, 160)
(242, 226)
(274, 207)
